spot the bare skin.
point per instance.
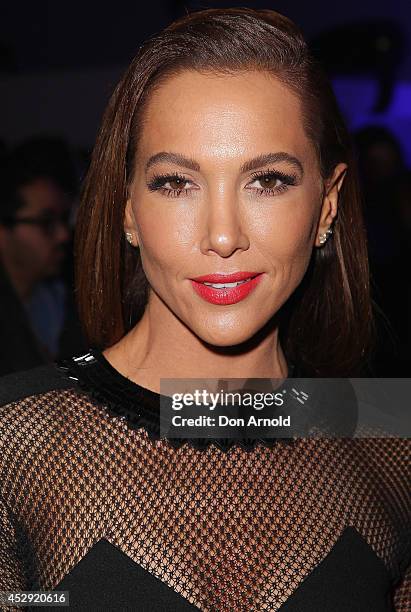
(221, 221)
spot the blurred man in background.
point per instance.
(37, 312)
(387, 205)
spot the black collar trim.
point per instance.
(139, 406)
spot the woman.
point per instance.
(222, 151)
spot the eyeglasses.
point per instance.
(49, 224)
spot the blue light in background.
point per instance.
(356, 97)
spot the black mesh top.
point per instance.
(92, 502)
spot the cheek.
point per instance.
(165, 241)
(284, 238)
(26, 246)
(284, 231)
(38, 246)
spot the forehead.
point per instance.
(43, 194)
(236, 114)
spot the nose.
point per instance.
(224, 230)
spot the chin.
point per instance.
(226, 336)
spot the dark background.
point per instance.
(59, 61)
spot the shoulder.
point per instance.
(36, 381)
(34, 405)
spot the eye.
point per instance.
(272, 182)
(171, 185)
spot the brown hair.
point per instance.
(327, 324)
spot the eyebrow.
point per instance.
(252, 164)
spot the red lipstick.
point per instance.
(225, 295)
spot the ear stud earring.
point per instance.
(323, 237)
(129, 237)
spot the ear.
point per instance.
(329, 207)
(130, 224)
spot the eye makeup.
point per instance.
(265, 177)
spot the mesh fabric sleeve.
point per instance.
(12, 575)
(402, 593)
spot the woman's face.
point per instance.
(226, 181)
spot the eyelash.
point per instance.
(158, 181)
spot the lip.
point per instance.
(227, 295)
(225, 278)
